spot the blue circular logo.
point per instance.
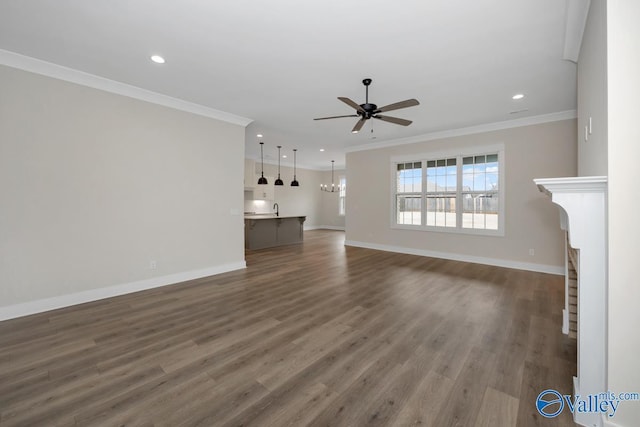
(547, 401)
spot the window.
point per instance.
(409, 193)
(441, 194)
(342, 196)
(458, 193)
(480, 192)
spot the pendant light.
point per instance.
(278, 181)
(333, 186)
(262, 180)
(295, 182)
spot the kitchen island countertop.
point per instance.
(271, 216)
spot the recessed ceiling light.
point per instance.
(284, 156)
(517, 96)
(354, 131)
(158, 59)
(259, 135)
(322, 149)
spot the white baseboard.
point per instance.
(323, 227)
(607, 423)
(541, 268)
(47, 304)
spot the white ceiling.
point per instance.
(284, 62)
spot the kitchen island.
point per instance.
(266, 231)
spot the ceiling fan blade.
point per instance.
(402, 122)
(336, 117)
(351, 103)
(359, 125)
(398, 105)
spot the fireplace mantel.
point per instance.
(583, 203)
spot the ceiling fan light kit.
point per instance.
(368, 110)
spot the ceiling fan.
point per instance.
(366, 111)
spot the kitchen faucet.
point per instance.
(277, 208)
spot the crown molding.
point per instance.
(575, 21)
(487, 127)
(579, 184)
(298, 165)
(37, 66)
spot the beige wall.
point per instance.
(301, 200)
(592, 93)
(93, 186)
(321, 209)
(538, 151)
(329, 213)
(623, 68)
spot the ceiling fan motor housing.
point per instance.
(369, 110)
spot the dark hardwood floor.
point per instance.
(316, 334)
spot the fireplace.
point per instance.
(583, 203)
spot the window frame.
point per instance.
(418, 194)
(439, 155)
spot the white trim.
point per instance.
(37, 66)
(607, 423)
(39, 306)
(299, 165)
(450, 230)
(342, 199)
(565, 310)
(458, 154)
(465, 151)
(584, 202)
(565, 320)
(575, 21)
(580, 184)
(324, 227)
(488, 127)
(540, 268)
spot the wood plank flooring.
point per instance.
(316, 334)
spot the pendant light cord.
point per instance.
(324, 187)
(279, 181)
(295, 182)
(262, 180)
(279, 147)
(261, 159)
(332, 180)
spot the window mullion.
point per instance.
(437, 194)
(459, 207)
(423, 197)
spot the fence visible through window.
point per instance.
(480, 192)
(409, 193)
(454, 192)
